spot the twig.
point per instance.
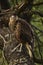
(37, 28)
(38, 44)
(4, 39)
(38, 4)
(37, 13)
(17, 47)
(36, 60)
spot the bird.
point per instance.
(23, 32)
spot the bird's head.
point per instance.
(13, 19)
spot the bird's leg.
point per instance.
(29, 49)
